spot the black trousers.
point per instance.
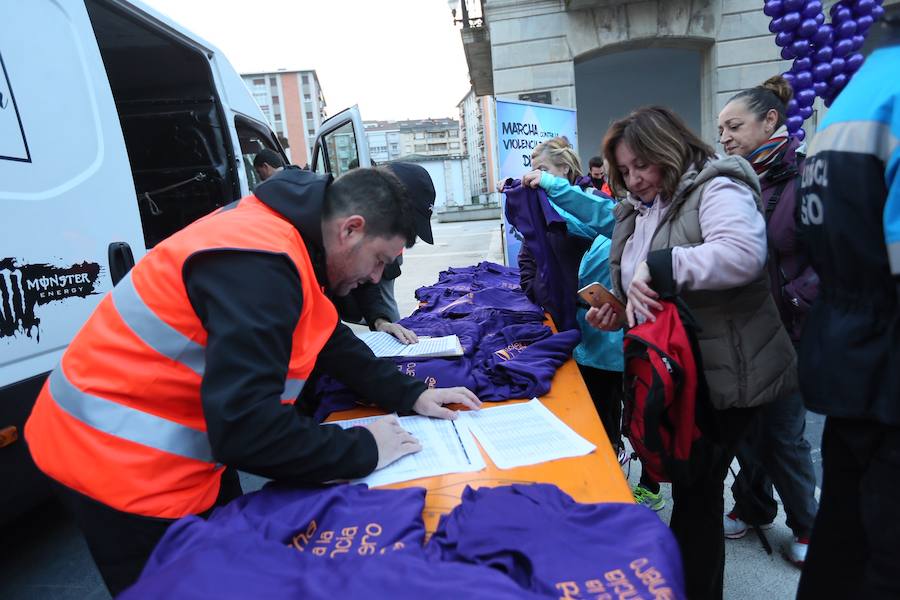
(854, 551)
(120, 543)
(605, 388)
(697, 507)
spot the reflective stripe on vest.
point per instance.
(168, 341)
(129, 423)
(155, 332)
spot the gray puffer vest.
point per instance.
(748, 358)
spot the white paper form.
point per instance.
(523, 434)
(447, 447)
(385, 345)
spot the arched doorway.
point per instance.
(611, 84)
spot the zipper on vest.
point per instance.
(740, 363)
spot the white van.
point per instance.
(117, 128)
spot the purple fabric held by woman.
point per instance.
(550, 544)
(555, 253)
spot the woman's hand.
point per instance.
(532, 179)
(604, 318)
(641, 297)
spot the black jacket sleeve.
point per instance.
(249, 304)
(346, 358)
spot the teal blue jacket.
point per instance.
(589, 216)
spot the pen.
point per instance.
(461, 442)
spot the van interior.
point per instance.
(181, 155)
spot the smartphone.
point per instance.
(597, 295)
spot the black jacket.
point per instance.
(249, 303)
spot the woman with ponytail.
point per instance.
(751, 125)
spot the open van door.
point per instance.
(341, 144)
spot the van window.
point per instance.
(175, 131)
(341, 144)
(254, 137)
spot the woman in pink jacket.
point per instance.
(692, 224)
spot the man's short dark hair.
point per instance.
(376, 195)
(268, 157)
(596, 161)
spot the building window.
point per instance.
(274, 99)
(305, 79)
(309, 116)
(259, 82)
(307, 98)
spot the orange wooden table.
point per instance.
(596, 477)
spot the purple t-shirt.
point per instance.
(550, 544)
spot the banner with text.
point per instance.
(520, 127)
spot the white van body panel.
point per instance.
(71, 196)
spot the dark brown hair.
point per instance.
(657, 136)
(773, 94)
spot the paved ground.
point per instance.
(44, 556)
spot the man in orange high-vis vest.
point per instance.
(189, 368)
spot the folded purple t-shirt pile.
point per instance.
(507, 350)
(550, 544)
(344, 541)
(347, 541)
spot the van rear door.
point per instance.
(66, 188)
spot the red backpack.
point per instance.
(666, 398)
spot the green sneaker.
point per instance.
(652, 501)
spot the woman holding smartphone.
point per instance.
(692, 223)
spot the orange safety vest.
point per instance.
(120, 418)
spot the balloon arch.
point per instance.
(826, 55)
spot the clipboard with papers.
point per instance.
(384, 345)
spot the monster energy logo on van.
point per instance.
(13, 145)
(24, 287)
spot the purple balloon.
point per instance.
(776, 25)
(824, 36)
(787, 53)
(793, 4)
(792, 107)
(801, 47)
(863, 7)
(877, 12)
(842, 48)
(858, 41)
(839, 81)
(800, 135)
(822, 72)
(838, 65)
(784, 38)
(773, 8)
(802, 64)
(812, 8)
(790, 21)
(841, 15)
(806, 112)
(807, 28)
(789, 77)
(854, 62)
(806, 97)
(823, 54)
(845, 29)
(794, 123)
(820, 87)
(864, 23)
(820, 18)
(802, 80)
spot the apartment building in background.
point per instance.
(294, 104)
(390, 140)
(478, 140)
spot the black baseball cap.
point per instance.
(420, 188)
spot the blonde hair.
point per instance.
(657, 136)
(561, 154)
